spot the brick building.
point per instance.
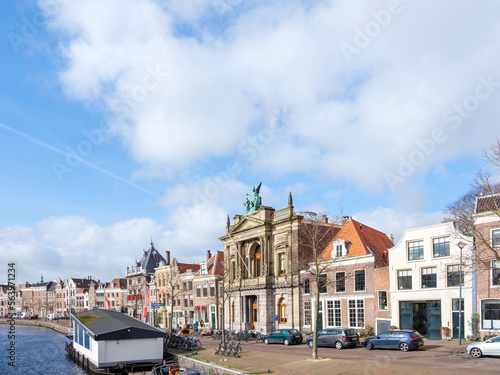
(354, 281)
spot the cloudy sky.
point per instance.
(122, 121)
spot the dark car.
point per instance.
(403, 340)
(339, 338)
(283, 336)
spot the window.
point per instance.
(190, 300)
(495, 273)
(429, 277)
(281, 263)
(205, 290)
(233, 270)
(382, 300)
(338, 251)
(198, 291)
(203, 269)
(340, 282)
(307, 286)
(453, 275)
(490, 314)
(322, 283)
(359, 280)
(185, 300)
(404, 279)
(212, 290)
(454, 304)
(190, 285)
(282, 310)
(356, 313)
(495, 238)
(307, 312)
(333, 313)
(441, 247)
(256, 263)
(184, 286)
(415, 250)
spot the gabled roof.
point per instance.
(183, 267)
(82, 283)
(117, 283)
(112, 325)
(150, 260)
(363, 240)
(488, 203)
(215, 265)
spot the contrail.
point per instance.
(106, 172)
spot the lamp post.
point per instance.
(461, 245)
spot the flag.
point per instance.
(146, 302)
(107, 301)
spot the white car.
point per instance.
(488, 347)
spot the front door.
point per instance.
(420, 317)
(433, 320)
(406, 315)
(456, 316)
(254, 312)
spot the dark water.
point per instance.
(39, 351)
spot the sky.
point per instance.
(124, 121)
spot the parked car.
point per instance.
(53, 316)
(403, 340)
(488, 347)
(283, 336)
(339, 338)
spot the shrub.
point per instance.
(367, 331)
(392, 328)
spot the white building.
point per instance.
(425, 278)
(108, 338)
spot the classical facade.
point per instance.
(264, 252)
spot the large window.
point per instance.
(490, 314)
(307, 286)
(429, 277)
(495, 273)
(340, 282)
(257, 263)
(323, 283)
(333, 311)
(453, 275)
(359, 280)
(404, 279)
(441, 247)
(356, 313)
(307, 313)
(282, 310)
(495, 238)
(205, 290)
(212, 289)
(415, 250)
(281, 262)
(382, 300)
(198, 291)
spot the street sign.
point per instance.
(276, 318)
(157, 305)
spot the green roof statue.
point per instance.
(253, 204)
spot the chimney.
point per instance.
(324, 219)
(167, 257)
(345, 219)
(208, 255)
(391, 237)
(361, 227)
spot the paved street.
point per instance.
(441, 357)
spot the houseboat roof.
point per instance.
(112, 325)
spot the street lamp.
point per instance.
(461, 245)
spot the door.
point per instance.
(456, 316)
(321, 338)
(434, 320)
(406, 315)
(254, 312)
(213, 320)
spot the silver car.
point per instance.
(488, 347)
(338, 338)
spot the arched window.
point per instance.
(256, 270)
(282, 310)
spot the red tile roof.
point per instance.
(363, 240)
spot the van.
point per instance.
(53, 316)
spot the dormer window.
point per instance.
(203, 268)
(339, 249)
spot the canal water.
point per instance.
(38, 351)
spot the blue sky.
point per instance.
(122, 121)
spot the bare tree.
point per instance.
(314, 238)
(173, 291)
(483, 197)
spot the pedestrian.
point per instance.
(201, 323)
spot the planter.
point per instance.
(445, 332)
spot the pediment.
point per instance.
(245, 224)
